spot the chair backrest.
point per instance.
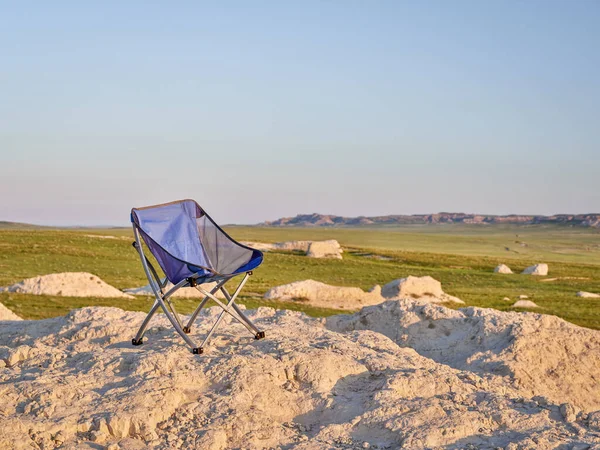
(186, 241)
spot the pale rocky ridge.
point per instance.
(400, 375)
(66, 284)
(313, 249)
(424, 289)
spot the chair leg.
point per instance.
(137, 340)
(176, 326)
(245, 321)
(188, 327)
(212, 330)
(226, 309)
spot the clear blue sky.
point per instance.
(267, 108)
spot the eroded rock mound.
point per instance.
(525, 304)
(534, 353)
(422, 288)
(538, 269)
(7, 314)
(324, 249)
(76, 379)
(325, 295)
(313, 249)
(502, 268)
(67, 284)
(290, 246)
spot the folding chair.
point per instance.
(191, 249)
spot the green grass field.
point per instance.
(461, 257)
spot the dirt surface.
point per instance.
(401, 374)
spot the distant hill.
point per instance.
(5, 225)
(324, 220)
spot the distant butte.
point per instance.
(325, 220)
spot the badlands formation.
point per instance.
(401, 374)
(425, 289)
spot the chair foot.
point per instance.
(186, 330)
(137, 342)
(259, 335)
(197, 351)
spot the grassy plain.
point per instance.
(461, 257)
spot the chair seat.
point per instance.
(254, 262)
(186, 242)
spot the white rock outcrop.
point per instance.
(502, 268)
(66, 284)
(289, 246)
(320, 249)
(324, 295)
(584, 294)
(525, 304)
(538, 269)
(401, 375)
(7, 314)
(324, 249)
(422, 288)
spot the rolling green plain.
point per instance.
(462, 257)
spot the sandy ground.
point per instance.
(397, 375)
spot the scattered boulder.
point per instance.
(523, 297)
(324, 249)
(506, 299)
(537, 269)
(187, 292)
(584, 294)
(502, 268)
(7, 314)
(67, 284)
(422, 288)
(325, 295)
(525, 304)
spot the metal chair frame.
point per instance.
(162, 300)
